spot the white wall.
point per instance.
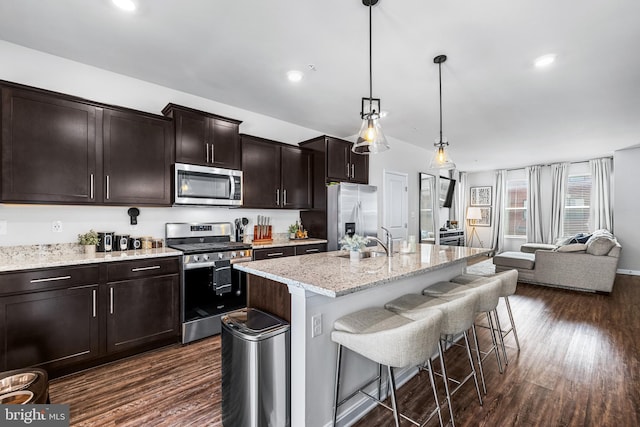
(626, 208)
(32, 224)
(405, 158)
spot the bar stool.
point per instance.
(458, 315)
(391, 340)
(509, 281)
(488, 293)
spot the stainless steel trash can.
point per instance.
(255, 370)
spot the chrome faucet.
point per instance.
(388, 247)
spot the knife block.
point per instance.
(262, 235)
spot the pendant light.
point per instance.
(371, 139)
(441, 159)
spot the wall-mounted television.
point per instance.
(445, 195)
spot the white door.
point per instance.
(396, 205)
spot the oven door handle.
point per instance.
(200, 265)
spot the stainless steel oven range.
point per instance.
(210, 286)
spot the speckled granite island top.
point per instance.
(16, 258)
(333, 274)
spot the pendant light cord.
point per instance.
(440, 80)
(370, 63)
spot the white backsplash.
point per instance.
(32, 224)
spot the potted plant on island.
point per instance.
(354, 244)
(89, 240)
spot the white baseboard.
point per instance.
(629, 272)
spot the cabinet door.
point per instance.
(52, 328)
(224, 144)
(297, 185)
(191, 134)
(359, 165)
(338, 167)
(142, 311)
(48, 148)
(137, 159)
(261, 173)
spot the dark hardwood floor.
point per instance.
(579, 366)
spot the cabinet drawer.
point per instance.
(311, 249)
(50, 278)
(278, 252)
(123, 270)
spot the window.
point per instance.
(516, 207)
(576, 205)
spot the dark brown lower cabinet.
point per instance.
(142, 311)
(53, 328)
(66, 319)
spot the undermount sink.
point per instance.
(367, 254)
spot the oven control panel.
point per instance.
(209, 258)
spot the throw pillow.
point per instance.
(600, 246)
(574, 247)
(600, 233)
(563, 241)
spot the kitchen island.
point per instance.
(322, 288)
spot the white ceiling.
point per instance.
(498, 110)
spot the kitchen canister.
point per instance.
(135, 243)
(105, 241)
(121, 242)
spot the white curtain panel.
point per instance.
(535, 233)
(497, 235)
(600, 212)
(559, 174)
(461, 211)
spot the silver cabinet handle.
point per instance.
(213, 153)
(278, 197)
(107, 187)
(153, 267)
(91, 183)
(284, 196)
(312, 250)
(95, 298)
(207, 144)
(275, 254)
(50, 279)
(353, 174)
(347, 170)
(111, 300)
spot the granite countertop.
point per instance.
(333, 274)
(17, 258)
(279, 241)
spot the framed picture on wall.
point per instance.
(480, 196)
(485, 221)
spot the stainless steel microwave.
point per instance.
(206, 186)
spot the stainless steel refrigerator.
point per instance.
(351, 208)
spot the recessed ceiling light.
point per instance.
(127, 5)
(545, 60)
(294, 76)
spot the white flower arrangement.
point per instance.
(353, 243)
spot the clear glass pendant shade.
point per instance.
(441, 159)
(371, 139)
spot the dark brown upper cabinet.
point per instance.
(50, 149)
(137, 158)
(65, 150)
(339, 162)
(204, 138)
(276, 175)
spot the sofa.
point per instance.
(589, 266)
